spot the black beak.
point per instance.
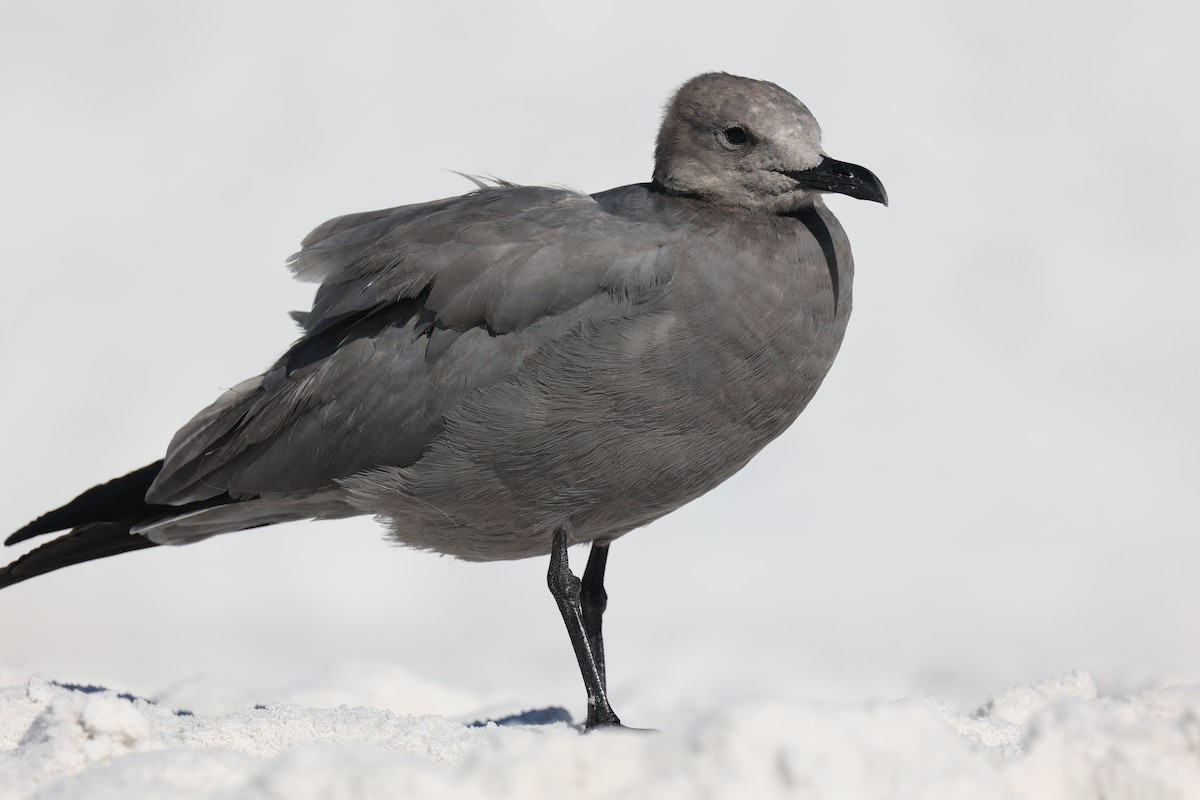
(841, 177)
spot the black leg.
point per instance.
(566, 589)
(594, 600)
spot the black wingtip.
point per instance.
(86, 543)
(107, 502)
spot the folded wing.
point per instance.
(418, 307)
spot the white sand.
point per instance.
(1055, 739)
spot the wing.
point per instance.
(418, 307)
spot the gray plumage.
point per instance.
(485, 370)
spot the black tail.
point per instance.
(101, 518)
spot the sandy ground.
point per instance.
(1058, 738)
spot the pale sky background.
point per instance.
(999, 480)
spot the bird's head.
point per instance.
(748, 143)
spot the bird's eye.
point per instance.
(734, 136)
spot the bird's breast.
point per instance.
(767, 319)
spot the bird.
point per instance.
(506, 373)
